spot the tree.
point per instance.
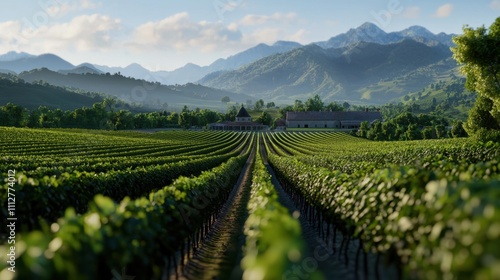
(413, 133)
(363, 129)
(346, 106)
(389, 129)
(440, 131)
(259, 105)
(122, 119)
(225, 99)
(480, 117)
(457, 129)
(282, 111)
(185, 120)
(298, 106)
(478, 50)
(334, 107)
(376, 132)
(270, 105)
(265, 118)
(231, 113)
(314, 104)
(210, 116)
(173, 118)
(11, 115)
(109, 103)
(428, 133)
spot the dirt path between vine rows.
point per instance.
(220, 254)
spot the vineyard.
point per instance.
(83, 204)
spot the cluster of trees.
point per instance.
(452, 99)
(407, 126)
(478, 50)
(112, 114)
(313, 104)
(102, 115)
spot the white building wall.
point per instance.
(323, 124)
(313, 124)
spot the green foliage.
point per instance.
(110, 114)
(59, 178)
(387, 71)
(430, 207)
(259, 104)
(479, 51)
(480, 117)
(225, 99)
(274, 241)
(265, 118)
(405, 126)
(457, 129)
(141, 233)
(12, 115)
(314, 104)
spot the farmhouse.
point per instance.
(243, 122)
(341, 120)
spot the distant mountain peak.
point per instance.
(49, 55)
(13, 55)
(417, 30)
(370, 26)
(282, 43)
(134, 66)
(370, 32)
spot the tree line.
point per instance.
(407, 126)
(110, 114)
(478, 52)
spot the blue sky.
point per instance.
(167, 34)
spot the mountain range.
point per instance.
(365, 64)
(371, 33)
(334, 74)
(367, 32)
(137, 91)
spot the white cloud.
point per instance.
(59, 8)
(270, 35)
(298, 36)
(495, 4)
(412, 12)
(444, 11)
(83, 33)
(249, 20)
(263, 35)
(180, 33)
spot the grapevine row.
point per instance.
(48, 197)
(144, 234)
(274, 241)
(439, 223)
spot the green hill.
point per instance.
(31, 96)
(448, 98)
(134, 91)
(357, 73)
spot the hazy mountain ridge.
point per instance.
(371, 33)
(356, 69)
(152, 95)
(12, 55)
(331, 73)
(31, 96)
(367, 32)
(26, 63)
